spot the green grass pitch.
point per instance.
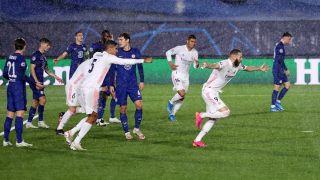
(250, 144)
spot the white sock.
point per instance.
(278, 101)
(205, 129)
(215, 115)
(78, 126)
(177, 106)
(175, 98)
(65, 118)
(83, 131)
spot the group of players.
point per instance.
(92, 81)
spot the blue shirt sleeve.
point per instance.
(69, 49)
(279, 57)
(140, 67)
(112, 72)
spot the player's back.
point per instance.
(96, 47)
(279, 55)
(97, 71)
(80, 74)
(15, 69)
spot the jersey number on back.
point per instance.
(11, 69)
(92, 65)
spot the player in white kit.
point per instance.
(223, 72)
(89, 88)
(72, 95)
(185, 55)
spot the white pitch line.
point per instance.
(24, 122)
(307, 131)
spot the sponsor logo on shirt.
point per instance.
(133, 56)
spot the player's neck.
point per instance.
(19, 52)
(78, 42)
(127, 48)
(189, 49)
(41, 50)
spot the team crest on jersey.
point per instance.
(133, 56)
(23, 64)
(84, 48)
(281, 50)
(127, 67)
(33, 58)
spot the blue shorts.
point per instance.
(16, 99)
(123, 92)
(279, 79)
(36, 94)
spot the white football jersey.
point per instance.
(183, 59)
(100, 65)
(220, 77)
(78, 76)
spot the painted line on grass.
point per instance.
(24, 122)
(307, 131)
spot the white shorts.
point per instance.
(212, 100)
(89, 99)
(179, 82)
(72, 95)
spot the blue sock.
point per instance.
(113, 105)
(19, 128)
(102, 106)
(138, 118)
(7, 127)
(124, 122)
(274, 97)
(282, 93)
(40, 112)
(32, 112)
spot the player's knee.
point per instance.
(123, 109)
(73, 110)
(139, 104)
(182, 94)
(102, 95)
(287, 86)
(226, 113)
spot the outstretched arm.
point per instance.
(115, 60)
(263, 68)
(210, 66)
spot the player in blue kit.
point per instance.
(38, 66)
(76, 50)
(126, 82)
(104, 91)
(14, 71)
(280, 73)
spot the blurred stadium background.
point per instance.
(254, 26)
(251, 144)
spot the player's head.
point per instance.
(78, 36)
(106, 35)
(191, 41)
(20, 44)
(111, 47)
(235, 55)
(45, 44)
(124, 40)
(286, 38)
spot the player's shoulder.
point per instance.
(135, 50)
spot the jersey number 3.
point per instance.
(92, 65)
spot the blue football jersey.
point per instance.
(15, 69)
(40, 62)
(77, 53)
(126, 74)
(96, 47)
(278, 62)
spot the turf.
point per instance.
(251, 144)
